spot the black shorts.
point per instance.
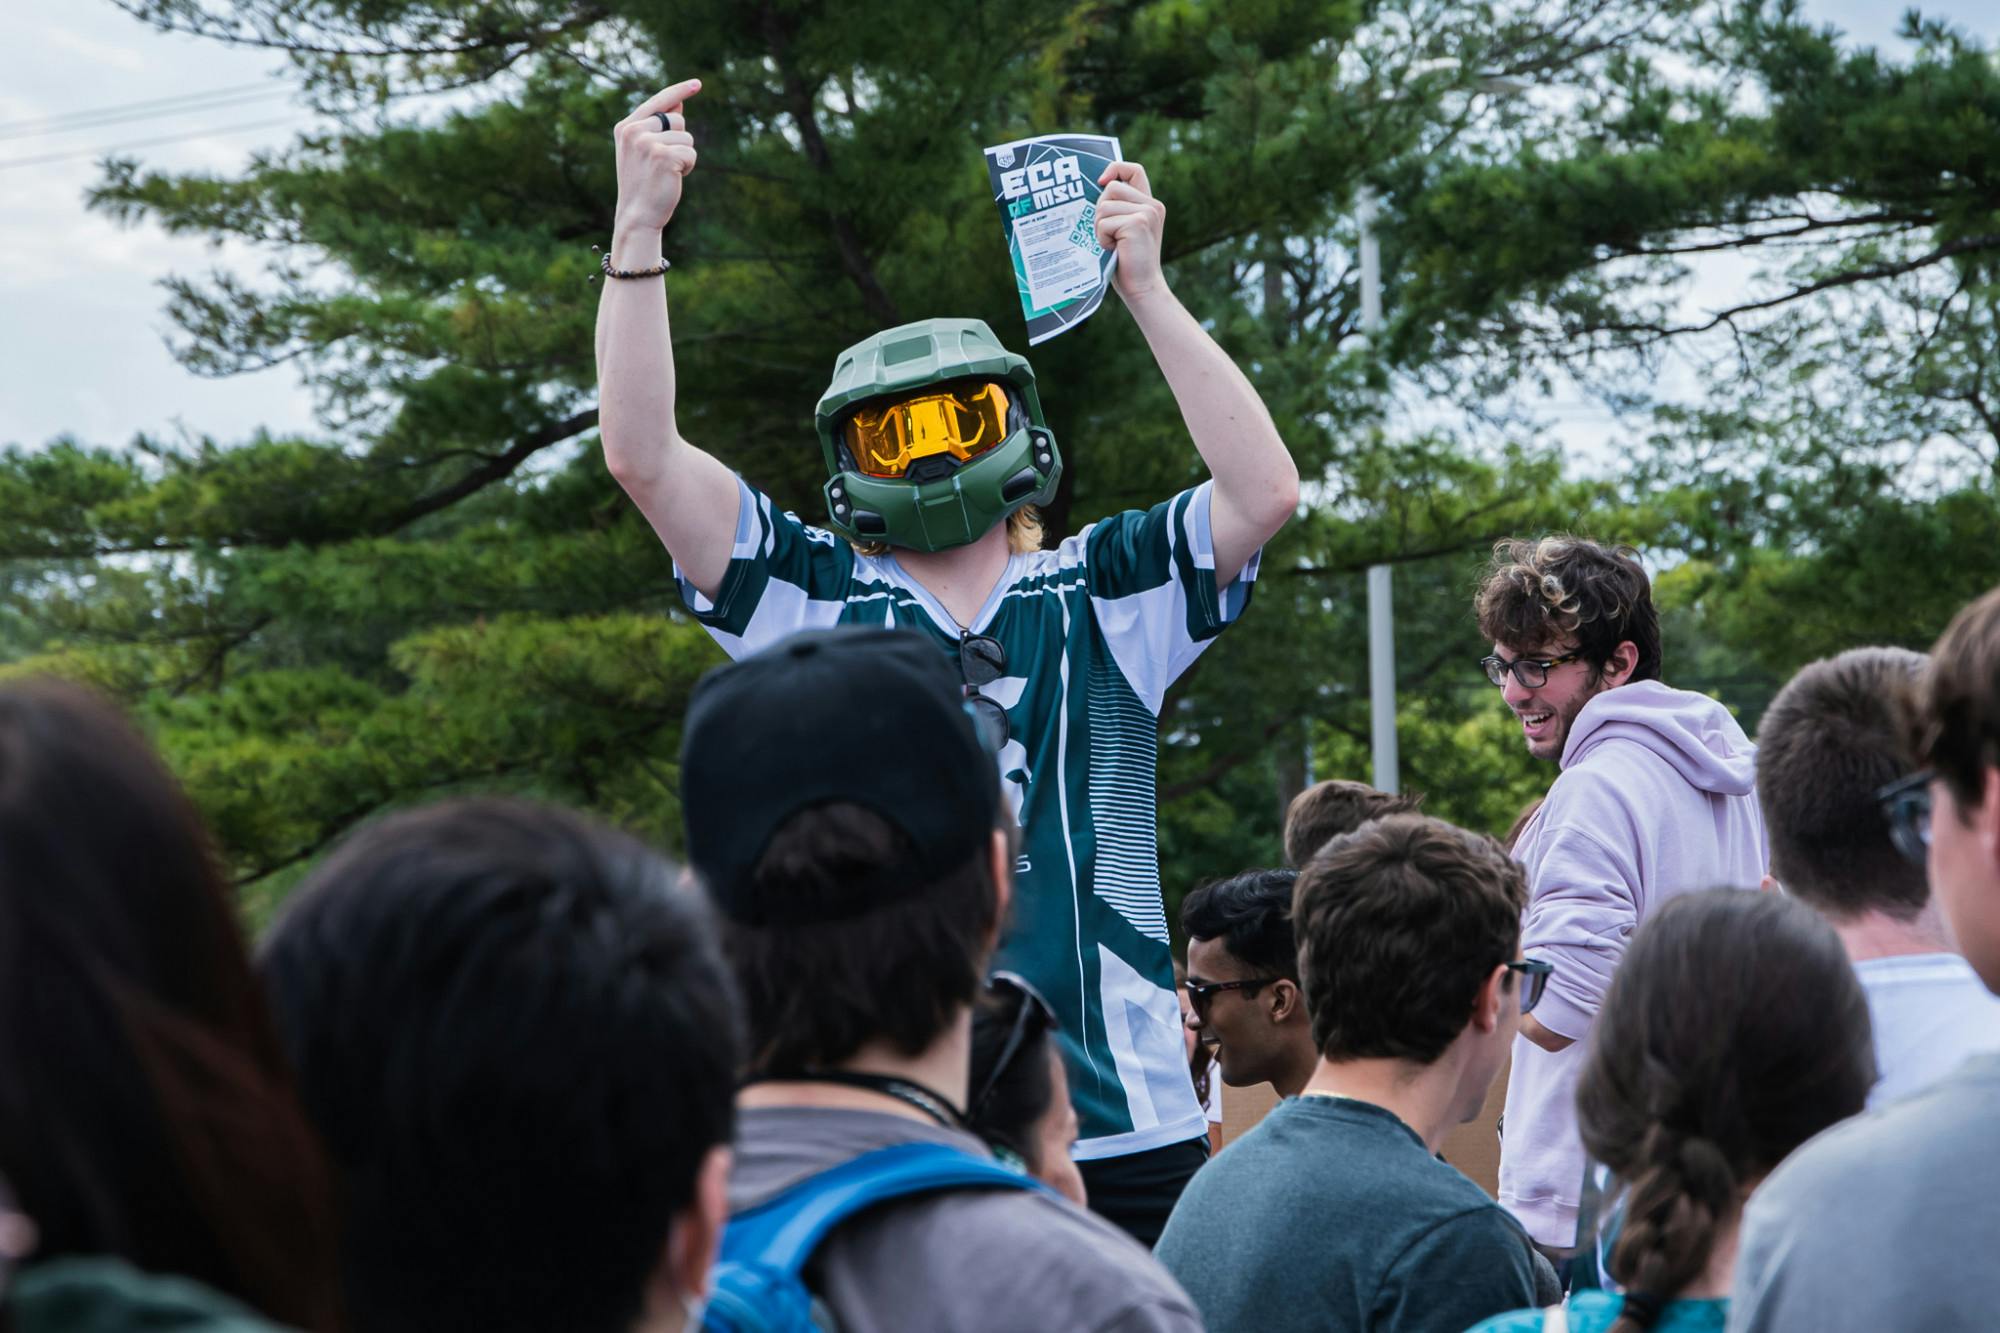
(1137, 1191)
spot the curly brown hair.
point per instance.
(1543, 591)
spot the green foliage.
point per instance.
(443, 590)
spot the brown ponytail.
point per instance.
(1734, 1031)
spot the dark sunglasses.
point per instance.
(1201, 992)
(1032, 1017)
(1534, 980)
(1531, 673)
(1906, 804)
(981, 661)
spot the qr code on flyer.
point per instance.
(1084, 234)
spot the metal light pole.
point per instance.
(1381, 620)
(1381, 617)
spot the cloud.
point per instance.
(115, 55)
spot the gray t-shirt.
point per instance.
(982, 1261)
(1889, 1221)
(1332, 1217)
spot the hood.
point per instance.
(1691, 731)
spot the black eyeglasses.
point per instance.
(1534, 980)
(1032, 1017)
(1906, 804)
(1201, 992)
(1532, 674)
(981, 661)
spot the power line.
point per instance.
(61, 119)
(103, 119)
(73, 154)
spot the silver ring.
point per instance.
(666, 125)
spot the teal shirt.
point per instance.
(1596, 1311)
(1332, 1217)
(1094, 632)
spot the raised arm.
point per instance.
(687, 495)
(1256, 482)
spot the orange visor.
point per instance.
(963, 423)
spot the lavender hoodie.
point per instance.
(1657, 797)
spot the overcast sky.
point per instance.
(84, 347)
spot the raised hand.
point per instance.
(654, 159)
(1131, 222)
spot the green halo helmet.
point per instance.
(944, 480)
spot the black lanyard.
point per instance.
(929, 1101)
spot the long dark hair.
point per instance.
(1733, 1031)
(146, 1113)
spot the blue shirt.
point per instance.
(1595, 1311)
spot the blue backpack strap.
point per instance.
(783, 1231)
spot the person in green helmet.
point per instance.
(936, 453)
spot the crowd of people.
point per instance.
(902, 1045)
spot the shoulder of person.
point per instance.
(1480, 1228)
(1933, 1131)
(1070, 1250)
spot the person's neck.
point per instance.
(960, 577)
(1875, 934)
(1424, 1097)
(941, 1068)
(1291, 1080)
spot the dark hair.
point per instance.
(1325, 810)
(1540, 591)
(1955, 712)
(1399, 924)
(147, 1112)
(1733, 1031)
(1512, 838)
(1829, 741)
(1252, 915)
(816, 992)
(1022, 1094)
(519, 1039)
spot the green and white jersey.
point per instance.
(1094, 631)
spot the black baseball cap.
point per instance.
(875, 717)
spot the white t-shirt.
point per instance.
(1930, 1012)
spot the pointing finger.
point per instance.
(667, 99)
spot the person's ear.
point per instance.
(1288, 1002)
(1624, 660)
(1491, 999)
(694, 1237)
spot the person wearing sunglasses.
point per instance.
(1243, 990)
(937, 453)
(1655, 796)
(1849, 833)
(1019, 1101)
(1888, 1221)
(1334, 1212)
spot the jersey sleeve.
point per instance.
(1151, 579)
(783, 576)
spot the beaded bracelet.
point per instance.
(604, 264)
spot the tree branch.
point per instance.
(846, 243)
(500, 467)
